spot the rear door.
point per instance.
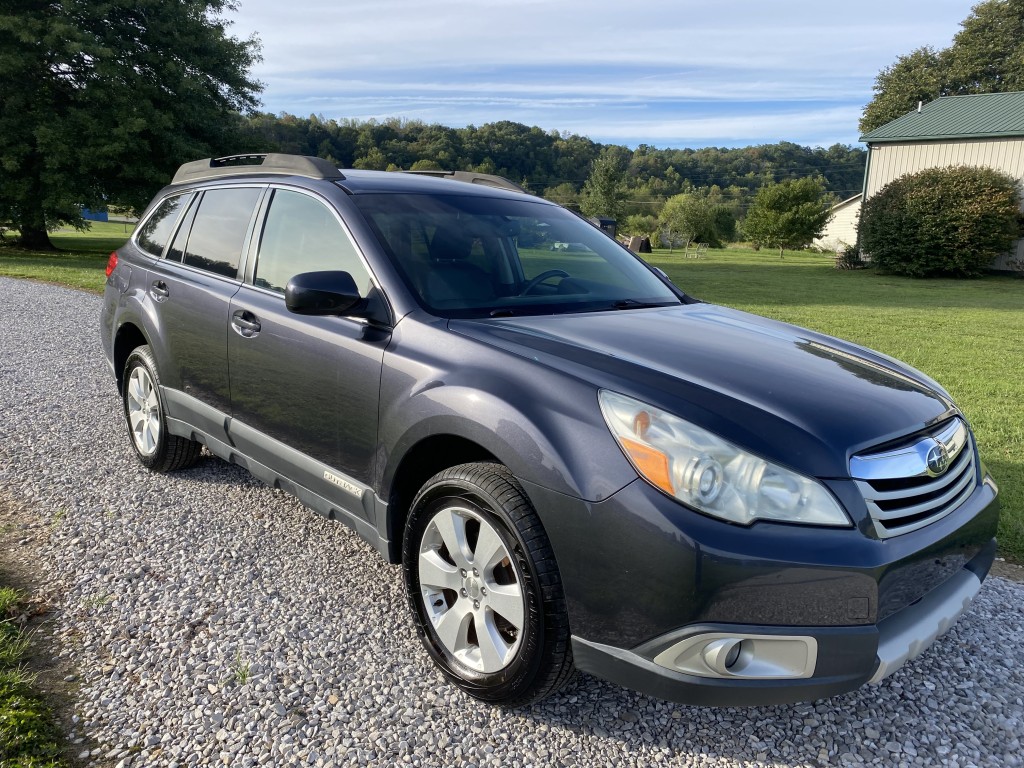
(191, 290)
(304, 390)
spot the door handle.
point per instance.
(245, 323)
(158, 290)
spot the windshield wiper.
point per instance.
(635, 304)
(503, 312)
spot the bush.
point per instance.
(941, 221)
(848, 257)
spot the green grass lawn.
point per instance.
(967, 334)
(79, 262)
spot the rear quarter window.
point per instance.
(154, 234)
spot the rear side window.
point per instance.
(155, 233)
(301, 234)
(218, 232)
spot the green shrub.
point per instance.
(941, 221)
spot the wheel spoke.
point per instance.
(452, 528)
(154, 428)
(435, 573)
(135, 393)
(493, 648)
(489, 549)
(138, 419)
(453, 628)
(506, 600)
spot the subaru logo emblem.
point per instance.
(937, 460)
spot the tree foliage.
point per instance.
(605, 189)
(788, 215)
(941, 221)
(557, 165)
(103, 100)
(987, 56)
(916, 77)
(699, 216)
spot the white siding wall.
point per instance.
(890, 161)
(842, 229)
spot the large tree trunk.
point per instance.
(35, 238)
(32, 221)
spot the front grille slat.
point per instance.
(912, 486)
(911, 501)
(916, 509)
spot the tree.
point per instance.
(941, 221)
(987, 56)
(641, 225)
(101, 101)
(684, 217)
(788, 215)
(914, 78)
(604, 190)
(563, 194)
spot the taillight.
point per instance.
(111, 263)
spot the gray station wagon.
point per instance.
(577, 465)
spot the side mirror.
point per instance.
(322, 293)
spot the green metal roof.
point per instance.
(983, 115)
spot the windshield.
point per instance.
(480, 256)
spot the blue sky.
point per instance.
(668, 74)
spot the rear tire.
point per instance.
(484, 588)
(146, 418)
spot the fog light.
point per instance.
(742, 656)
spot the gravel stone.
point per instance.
(215, 621)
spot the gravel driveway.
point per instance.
(215, 621)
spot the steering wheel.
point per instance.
(545, 275)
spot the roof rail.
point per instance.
(471, 177)
(257, 164)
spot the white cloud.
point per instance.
(460, 61)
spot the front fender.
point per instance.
(544, 425)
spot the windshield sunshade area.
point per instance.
(473, 256)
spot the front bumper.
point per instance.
(846, 657)
(650, 572)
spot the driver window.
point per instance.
(300, 234)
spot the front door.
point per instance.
(308, 384)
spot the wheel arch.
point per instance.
(421, 462)
(129, 337)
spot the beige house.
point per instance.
(841, 230)
(983, 130)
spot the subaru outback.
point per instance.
(576, 464)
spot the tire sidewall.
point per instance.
(142, 357)
(517, 676)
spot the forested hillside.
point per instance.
(557, 165)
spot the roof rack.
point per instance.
(257, 164)
(471, 177)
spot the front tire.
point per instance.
(484, 588)
(146, 418)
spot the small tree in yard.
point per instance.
(788, 215)
(685, 216)
(941, 221)
(699, 216)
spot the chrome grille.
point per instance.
(903, 493)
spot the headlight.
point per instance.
(709, 474)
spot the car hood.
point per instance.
(792, 395)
